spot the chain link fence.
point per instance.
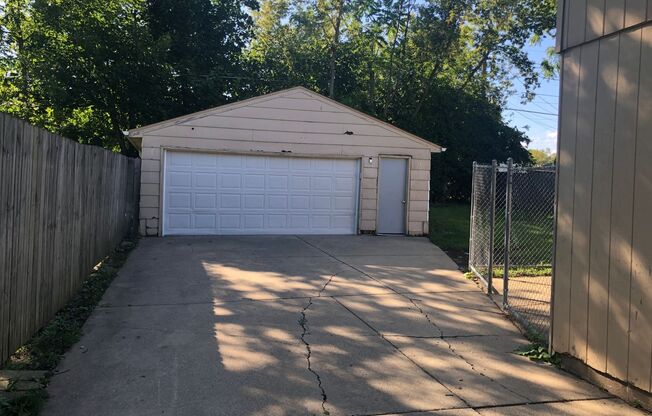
(511, 244)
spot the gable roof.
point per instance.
(137, 133)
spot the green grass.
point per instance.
(46, 348)
(449, 226)
(533, 271)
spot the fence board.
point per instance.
(63, 207)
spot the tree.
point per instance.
(203, 41)
(440, 69)
(542, 157)
(89, 69)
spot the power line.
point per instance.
(531, 111)
(553, 106)
(547, 126)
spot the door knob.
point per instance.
(403, 202)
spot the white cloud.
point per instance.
(546, 142)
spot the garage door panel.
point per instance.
(300, 183)
(230, 201)
(230, 221)
(321, 183)
(277, 182)
(254, 201)
(345, 203)
(278, 163)
(233, 194)
(300, 202)
(277, 221)
(230, 181)
(277, 202)
(205, 201)
(229, 161)
(205, 221)
(180, 179)
(180, 160)
(344, 184)
(255, 162)
(180, 200)
(321, 202)
(299, 164)
(325, 165)
(179, 221)
(201, 160)
(254, 221)
(254, 181)
(205, 180)
(321, 221)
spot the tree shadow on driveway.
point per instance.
(286, 325)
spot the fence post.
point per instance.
(508, 226)
(471, 239)
(492, 227)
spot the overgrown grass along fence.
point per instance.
(63, 207)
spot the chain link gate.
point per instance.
(511, 239)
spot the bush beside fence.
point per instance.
(63, 207)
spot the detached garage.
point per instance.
(291, 162)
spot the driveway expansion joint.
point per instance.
(396, 347)
(422, 312)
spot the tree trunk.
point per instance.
(372, 87)
(334, 45)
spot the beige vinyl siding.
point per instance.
(291, 123)
(602, 312)
(640, 344)
(587, 20)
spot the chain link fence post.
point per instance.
(508, 225)
(472, 222)
(492, 227)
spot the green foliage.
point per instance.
(25, 405)
(89, 69)
(441, 69)
(542, 158)
(538, 352)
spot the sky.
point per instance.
(540, 128)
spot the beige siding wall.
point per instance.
(602, 302)
(584, 21)
(295, 124)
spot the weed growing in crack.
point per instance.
(539, 353)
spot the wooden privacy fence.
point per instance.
(63, 207)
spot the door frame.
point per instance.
(407, 188)
(179, 149)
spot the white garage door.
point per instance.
(237, 194)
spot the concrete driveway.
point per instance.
(285, 325)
